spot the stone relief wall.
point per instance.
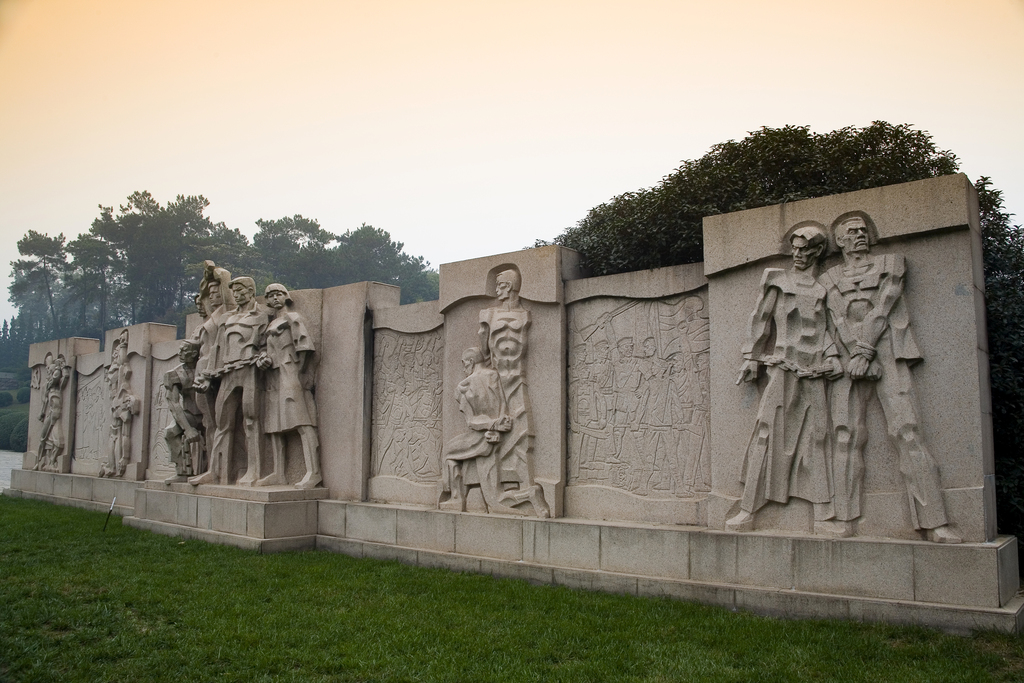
(91, 423)
(407, 406)
(639, 396)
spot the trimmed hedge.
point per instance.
(8, 421)
(24, 394)
(19, 436)
(5, 399)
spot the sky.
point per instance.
(465, 128)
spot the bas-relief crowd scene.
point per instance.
(824, 345)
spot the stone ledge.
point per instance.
(95, 506)
(258, 494)
(260, 545)
(787, 604)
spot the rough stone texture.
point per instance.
(931, 224)
(344, 384)
(64, 428)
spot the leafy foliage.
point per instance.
(142, 263)
(24, 394)
(19, 435)
(8, 421)
(661, 226)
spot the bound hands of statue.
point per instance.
(263, 362)
(191, 436)
(503, 424)
(859, 367)
(202, 384)
(748, 371)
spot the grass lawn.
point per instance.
(80, 604)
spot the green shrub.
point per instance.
(19, 436)
(6, 399)
(24, 394)
(8, 421)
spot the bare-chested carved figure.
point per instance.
(232, 359)
(503, 343)
(184, 436)
(789, 450)
(124, 406)
(471, 459)
(51, 442)
(287, 400)
(865, 297)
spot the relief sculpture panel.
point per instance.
(407, 405)
(638, 395)
(91, 423)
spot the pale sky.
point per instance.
(465, 128)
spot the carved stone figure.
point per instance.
(287, 400)
(865, 297)
(472, 459)
(51, 443)
(184, 436)
(213, 308)
(503, 344)
(232, 360)
(789, 449)
(124, 406)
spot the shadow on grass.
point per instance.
(78, 604)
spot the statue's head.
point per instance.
(471, 357)
(853, 233)
(649, 346)
(214, 286)
(188, 354)
(200, 306)
(243, 289)
(808, 243)
(277, 296)
(625, 347)
(506, 284)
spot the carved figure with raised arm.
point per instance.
(232, 360)
(51, 443)
(865, 297)
(288, 404)
(471, 459)
(503, 342)
(788, 454)
(124, 406)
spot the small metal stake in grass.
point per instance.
(108, 513)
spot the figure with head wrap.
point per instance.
(288, 404)
(789, 453)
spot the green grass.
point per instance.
(80, 604)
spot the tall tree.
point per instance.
(39, 274)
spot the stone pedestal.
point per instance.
(958, 588)
(267, 519)
(75, 490)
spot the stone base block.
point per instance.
(76, 490)
(267, 519)
(953, 587)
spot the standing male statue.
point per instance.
(124, 406)
(213, 309)
(287, 400)
(233, 358)
(503, 342)
(788, 453)
(865, 297)
(51, 443)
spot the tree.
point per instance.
(369, 254)
(38, 276)
(661, 226)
